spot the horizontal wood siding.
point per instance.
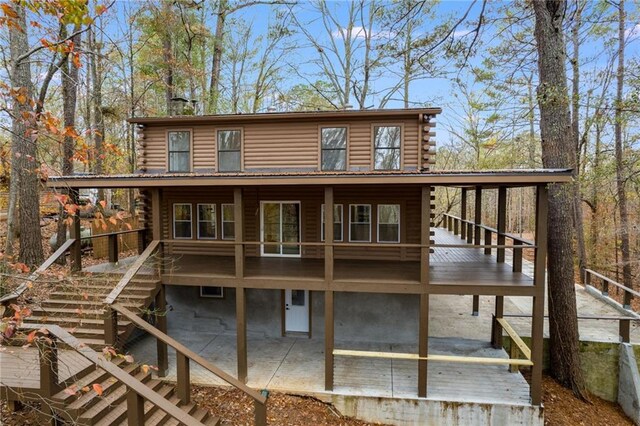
(278, 145)
(311, 199)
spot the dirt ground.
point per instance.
(561, 409)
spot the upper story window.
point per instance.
(182, 221)
(334, 148)
(228, 222)
(386, 151)
(207, 221)
(337, 222)
(180, 151)
(388, 223)
(360, 223)
(229, 150)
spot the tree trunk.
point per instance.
(69, 77)
(620, 172)
(558, 152)
(99, 130)
(24, 161)
(575, 126)
(216, 58)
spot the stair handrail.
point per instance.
(8, 298)
(133, 384)
(131, 272)
(186, 354)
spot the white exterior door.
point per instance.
(296, 305)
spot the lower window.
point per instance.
(388, 223)
(213, 292)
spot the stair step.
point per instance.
(119, 414)
(160, 417)
(93, 296)
(90, 332)
(84, 303)
(75, 322)
(106, 404)
(109, 384)
(97, 376)
(105, 289)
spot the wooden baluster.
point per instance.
(605, 287)
(456, 227)
(463, 214)
(627, 299)
(624, 326)
(470, 233)
(501, 222)
(487, 241)
(162, 348)
(260, 413)
(113, 248)
(48, 355)
(111, 327)
(135, 408)
(513, 354)
(184, 379)
(517, 256)
(75, 253)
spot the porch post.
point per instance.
(423, 320)
(161, 325)
(156, 224)
(537, 319)
(502, 221)
(75, 233)
(241, 325)
(328, 294)
(328, 340)
(238, 218)
(463, 213)
(475, 311)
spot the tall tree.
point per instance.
(558, 152)
(619, 148)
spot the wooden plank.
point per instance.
(437, 358)
(328, 235)
(423, 345)
(183, 376)
(139, 322)
(328, 340)
(514, 337)
(131, 272)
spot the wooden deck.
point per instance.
(452, 271)
(20, 368)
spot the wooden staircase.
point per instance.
(79, 307)
(110, 408)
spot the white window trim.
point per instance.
(399, 148)
(241, 150)
(378, 223)
(190, 221)
(322, 224)
(222, 221)
(215, 221)
(262, 246)
(351, 222)
(169, 151)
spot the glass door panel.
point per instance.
(290, 228)
(281, 224)
(271, 227)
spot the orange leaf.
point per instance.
(98, 388)
(103, 203)
(31, 336)
(71, 390)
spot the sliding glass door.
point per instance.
(280, 224)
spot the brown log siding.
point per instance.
(282, 145)
(311, 199)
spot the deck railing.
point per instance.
(590, 276)
(184, 356)
(138, 391)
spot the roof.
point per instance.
(517, 177)
(342, 114)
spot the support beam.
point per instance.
(477, 212)
(183, 376)
(161, 325)
(75, 252)
(496, 328)
(501, 221)
(238, 217)
(537, 320)
(423, 319)
(156, 225)
(328, 236)
(135, 408)
(241, 326)
(328, 340)
(463, 213)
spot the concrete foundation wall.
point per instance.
(629, 383)
(391, 318)
(402, 412)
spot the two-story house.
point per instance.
(240, 204)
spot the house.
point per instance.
(238, 207)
